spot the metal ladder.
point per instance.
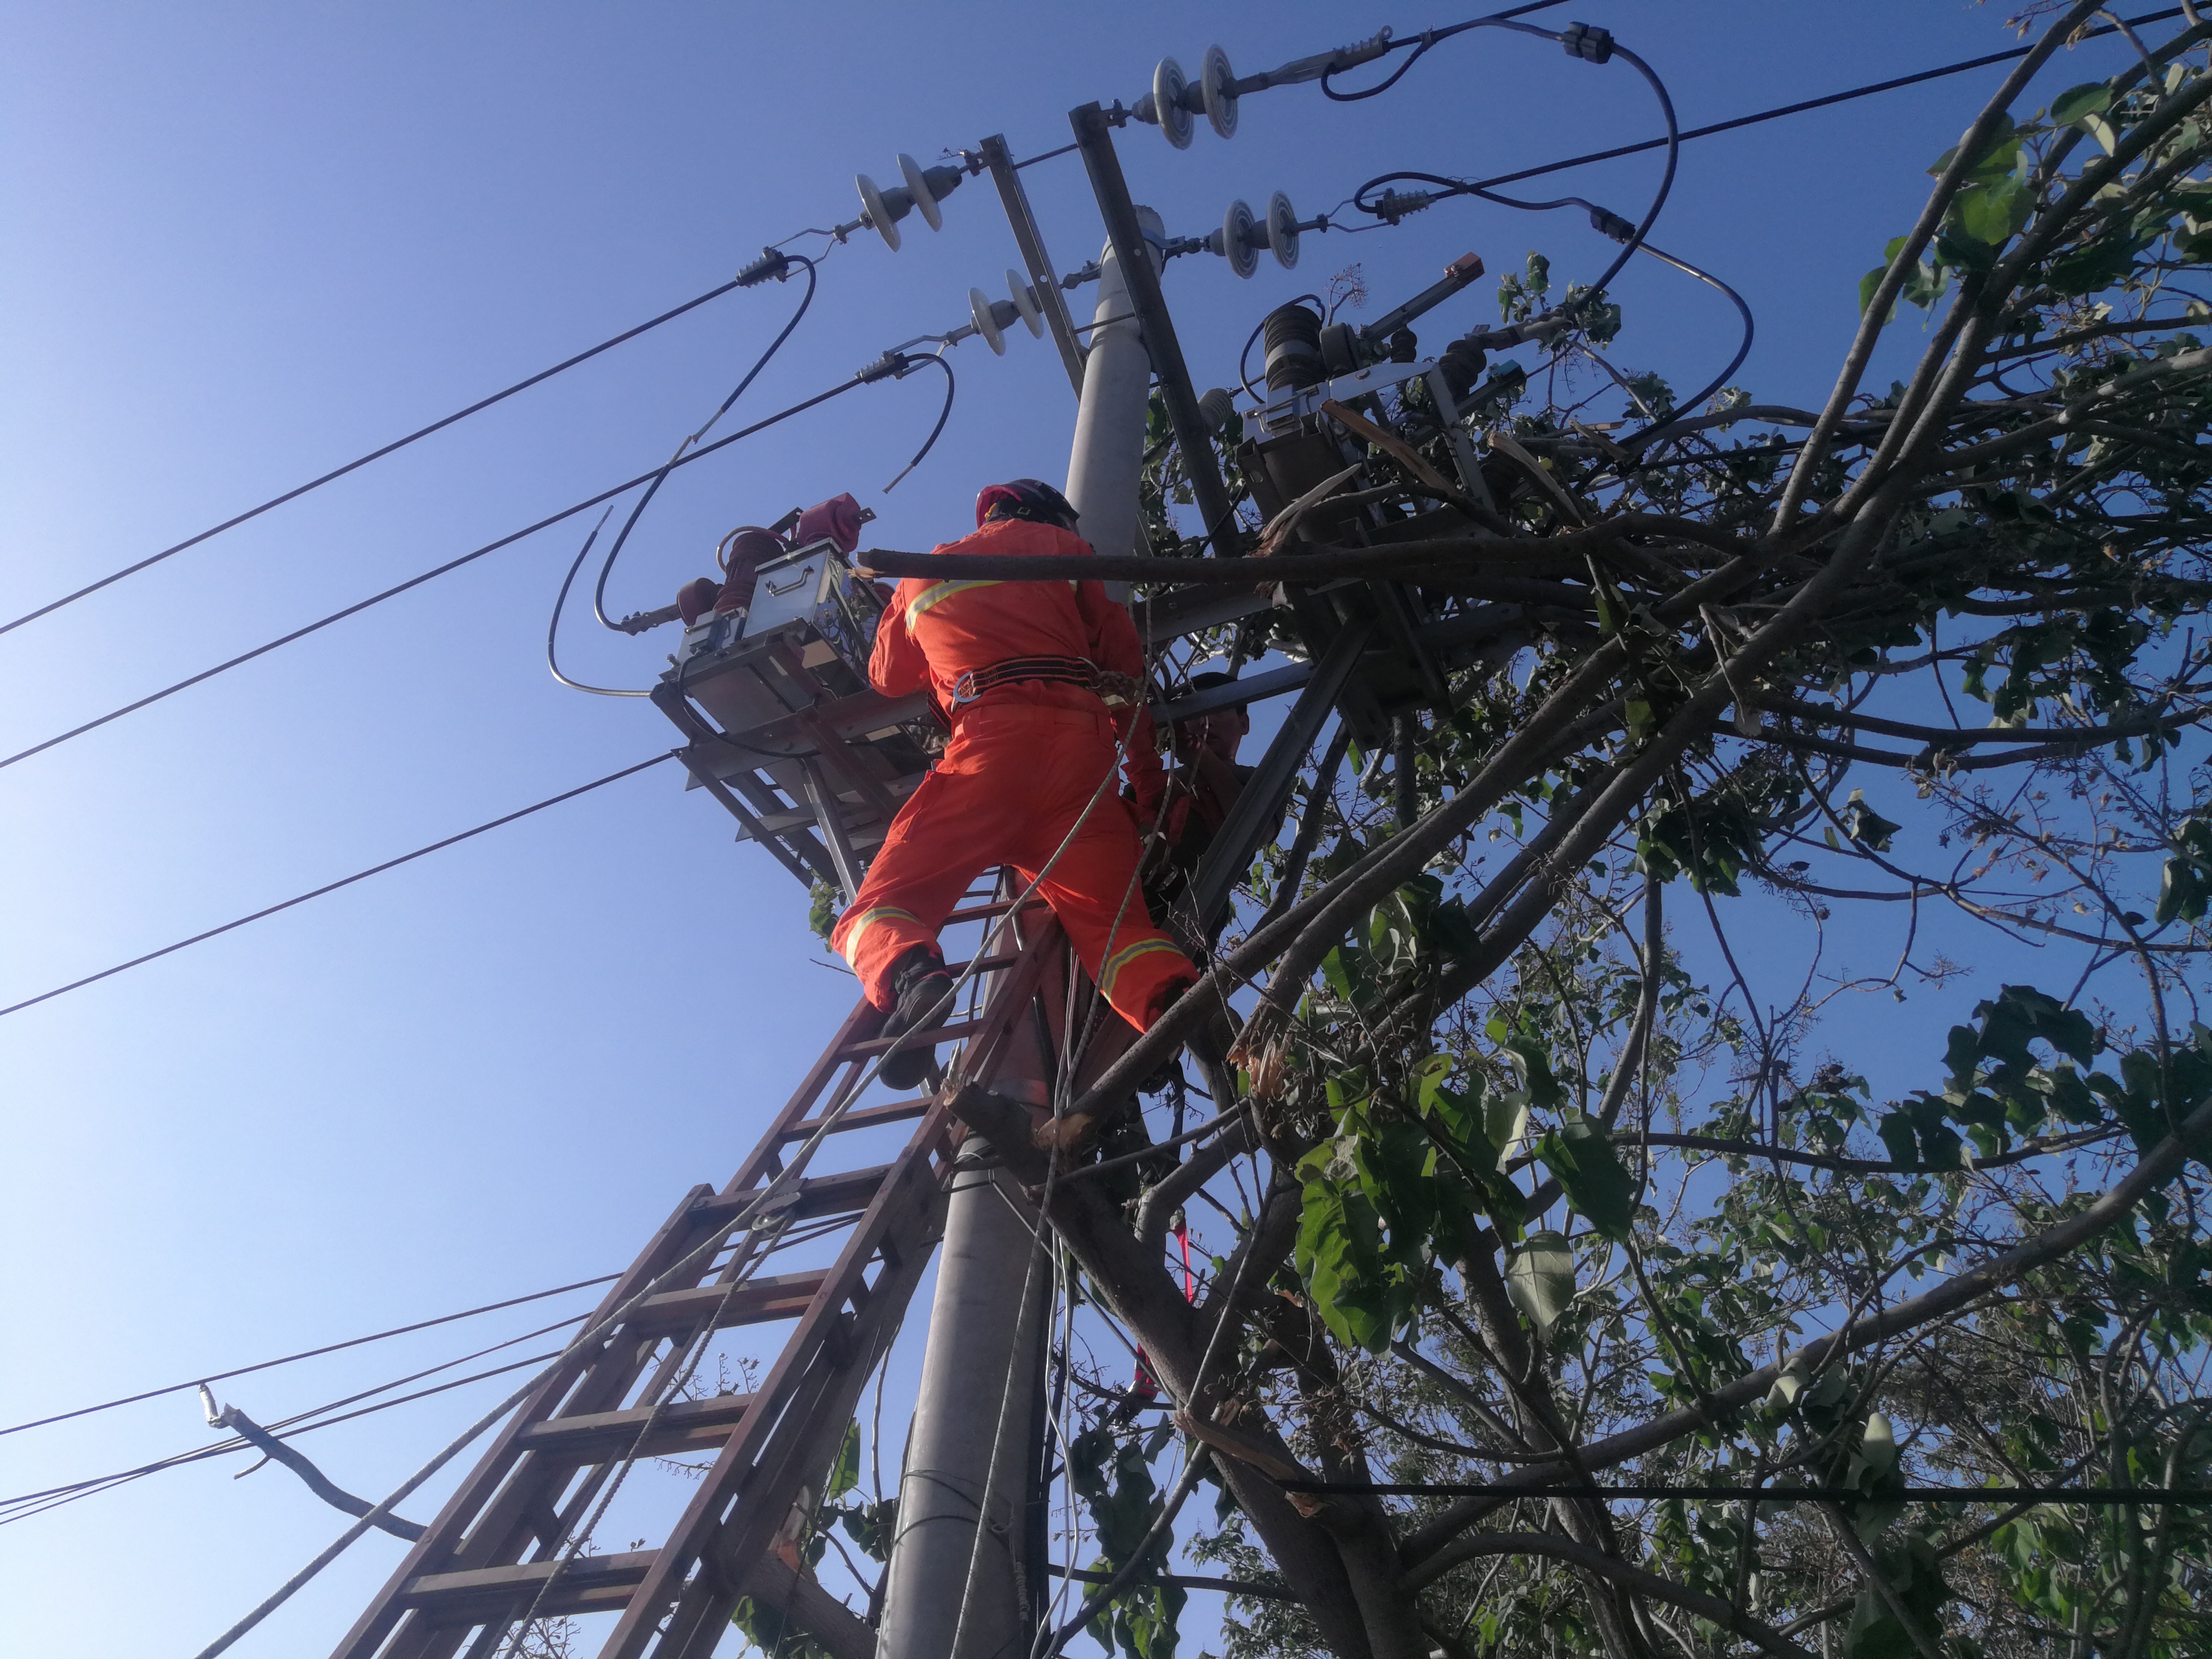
(493, 1557)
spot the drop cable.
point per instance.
(1736, 123)
(307, 1353)
(393, 447)
(621, 536)
(432, 574)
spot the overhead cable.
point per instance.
(332, 887)
(1691, 405)
(393, 447)
(691, 440)
(599, 592)
(306, 1353)
(431, 574)
(25, 1506)
(1961, 68)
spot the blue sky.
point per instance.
(248, 242)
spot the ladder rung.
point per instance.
(984, 911)
(680, 1426)
(840, 1194)
(819, 1195)
(942, 1034)
(753, 1304)
(985, 964)
(868, 1117)
(588, 1583)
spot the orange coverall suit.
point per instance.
(1025, 759)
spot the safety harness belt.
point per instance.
(1066, 670)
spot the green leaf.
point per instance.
(845, 1472)
(1868, 284)
(1580, 1155)
(2090, 98)
(1531, 1057)
(1339, 1257)
(1872, 280)
(1541, 1279)
(1998, 154)
(2096, 265)
(1993, 213)
(1505, 1122)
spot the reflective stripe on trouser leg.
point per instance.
(1140, 979)
(1094, 891)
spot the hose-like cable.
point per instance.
(599, 589)
(1688, 405)
(1450, 187)
(942, 415)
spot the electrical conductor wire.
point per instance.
(1736, 123)
(412, 582)
(354, 465)
(622, 537)
(332, 887)
(306, 1353)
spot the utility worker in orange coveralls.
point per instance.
(1017, 670)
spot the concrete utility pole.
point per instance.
(1108, 457)
(981, 1372)
(977, 1405)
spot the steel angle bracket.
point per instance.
(1044, 279)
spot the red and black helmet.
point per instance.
(1024, 498)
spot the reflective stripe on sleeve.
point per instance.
(936, 593)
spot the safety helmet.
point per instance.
(1024, 498)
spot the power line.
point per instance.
(393, 447)
(38, 1503)
(332, 887)
(645, 478)
(431, 574)
(308, 1353)
(1799, 108)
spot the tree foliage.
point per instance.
(1546, 1190)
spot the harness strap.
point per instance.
(1065, 670)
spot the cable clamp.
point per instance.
(772, 263)
(1360, 52)
(890, 366)
(1607, 223)
(1393, 206)
(1586, 41)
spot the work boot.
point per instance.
(920, 981)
